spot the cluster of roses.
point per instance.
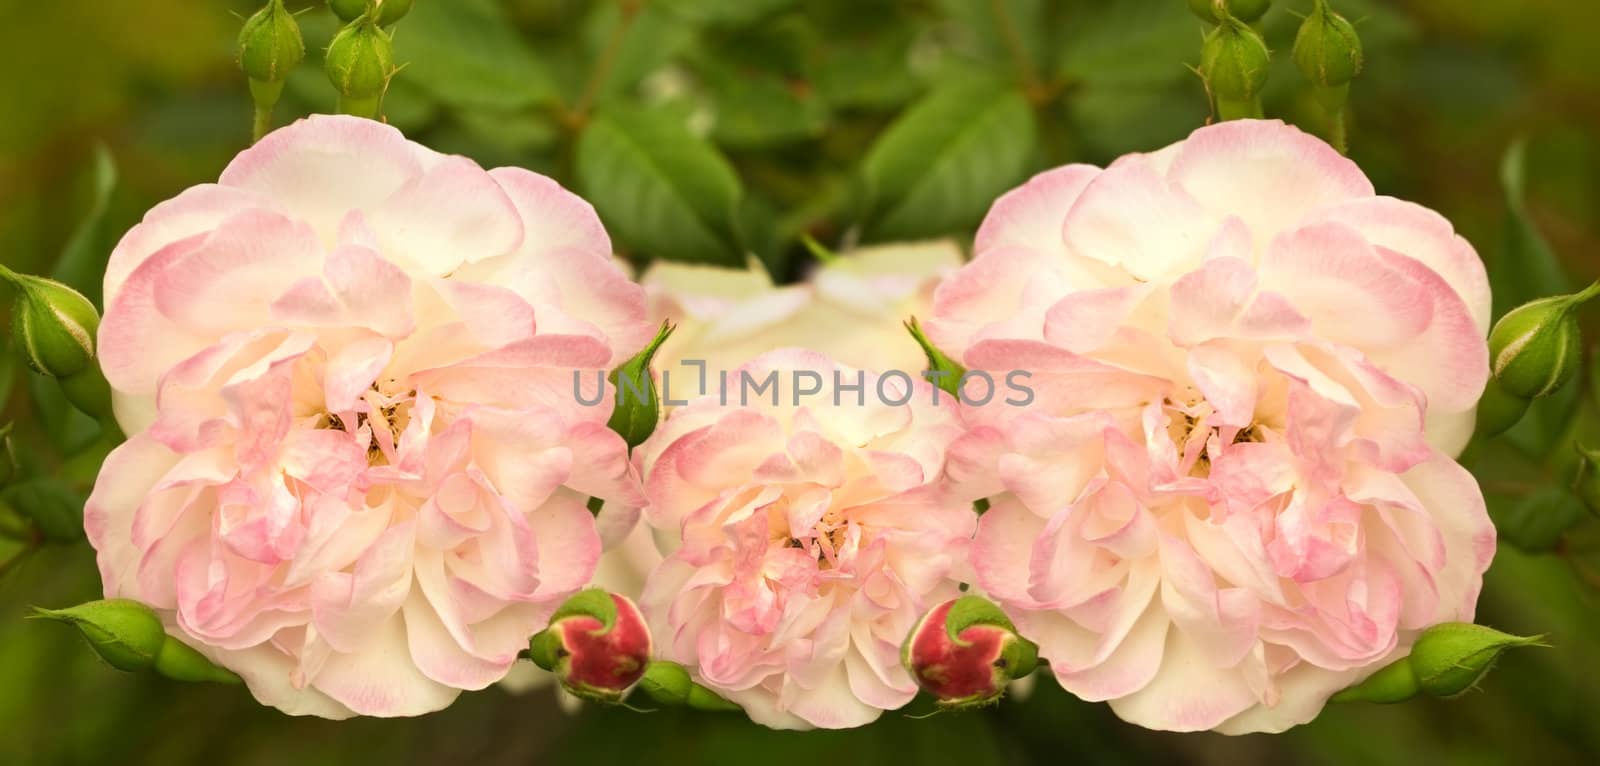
(358, 477)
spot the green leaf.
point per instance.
(661, 190)
(940, 165)
(83, 260)
(1526, 267)
(757, 110)
(466, 53)
(56, 510)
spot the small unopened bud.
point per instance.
(597, 645)
(52, 324)
(1537, 347)
(360, 61)
(128, 636)
(638, 405)
(389, 11)
(1327, 49)
(1234, 62)
(1450, 658)
(1243, 10)
(943, 371)
(668, 683)
(270, 46)
(964, 651)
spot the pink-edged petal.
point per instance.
(1270, 174)
(451, 214)
(196, 210)
(1451, 495)
(320, 167)
(1419, 233)
(1133, 217)
(382, 679)
(1350, 292)
(1031, 214)
(1085, 320)
(1188, 693)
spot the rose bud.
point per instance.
(638, 406)
(360, 61)
(1447, 660)
(1234, 61)
(668, 683)
(389, 11)
(1535, 349)
(1243, 10)
(597, 645)
(269, 46)
(128, 636)
(1451, 657)
(1327, 49)
(964, 652)
(52, 324)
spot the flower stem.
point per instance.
(1239, 109)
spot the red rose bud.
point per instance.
(965, 651)
(597, 645)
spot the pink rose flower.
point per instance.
(810, 539)
(357, 471)
(1234, 492)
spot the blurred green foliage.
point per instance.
(705, 128)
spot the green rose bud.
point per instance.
(389, 11)
(668, 683)
(269, 46)
(1449, 658)
(360, 61)
(638, 405)
(1243, 10)
(1327, 49)
(1234, 62)
(943, 371)
(52, 324)
(128, 636)
(1536, 349)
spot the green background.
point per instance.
(744, 124)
